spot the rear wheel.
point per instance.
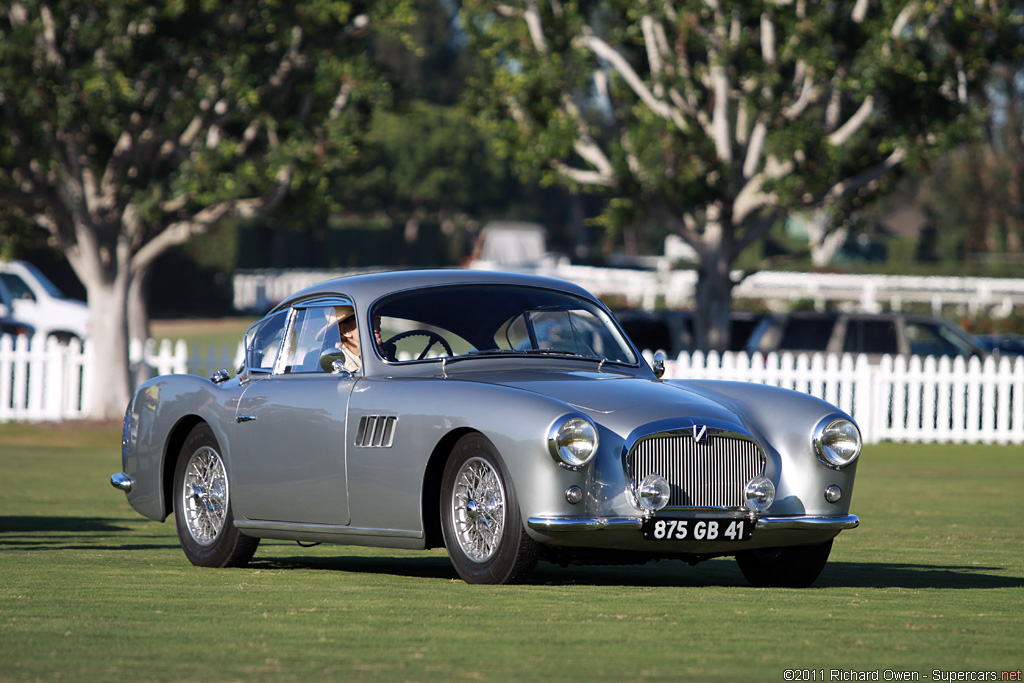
(202, 505)
(792, 567)
(480, 519)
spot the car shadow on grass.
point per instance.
(70, 525)
(666, 573)
(36, 533)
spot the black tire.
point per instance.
(202, 505)
(480, 518)
(793, 567)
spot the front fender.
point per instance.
(159, 410)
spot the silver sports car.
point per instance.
(504, 417)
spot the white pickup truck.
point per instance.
(29, 303)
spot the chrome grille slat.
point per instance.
(711, 473)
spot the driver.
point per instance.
(349, 337)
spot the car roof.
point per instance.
(366, 288)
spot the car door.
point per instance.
(288, 448)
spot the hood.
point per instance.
(619, 402)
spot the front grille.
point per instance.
(712, 473)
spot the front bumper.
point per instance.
(122, 482)
(624, 533)
(571, 524)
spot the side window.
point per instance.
(934, 340)
(807, 334)
(871, 336)
(17, 287)
(314, 331)
(262, 342)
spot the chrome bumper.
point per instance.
(122, 482)
(574, 524)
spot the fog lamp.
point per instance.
(759, 494)
(833, 494)
(653, 492)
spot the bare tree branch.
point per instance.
(861, 181)
(635, 83)
(854, 123)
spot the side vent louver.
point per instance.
(376, 431)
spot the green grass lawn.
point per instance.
(932, 580)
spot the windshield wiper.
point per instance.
(522, 352)
(548, 352)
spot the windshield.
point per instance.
(464, 321)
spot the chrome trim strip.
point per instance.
(584, 523)
(326, 529)
(122, 482)
(809, 522)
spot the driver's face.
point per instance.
(349, 334)
(376, 329)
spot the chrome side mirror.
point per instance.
(332, 361)
(659, 364)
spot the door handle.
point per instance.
(245, 418)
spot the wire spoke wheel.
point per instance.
(202, 505)
(205, 496)
(480, 517)
(478, 510)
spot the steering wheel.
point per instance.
(432, 338)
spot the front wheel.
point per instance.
(792, 567)
(483, 529)
(202, 506)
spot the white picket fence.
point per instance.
(916, 399)
(43, 380)
(921, 399)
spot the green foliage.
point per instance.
(429, 156)
(212, 98)
(931, 580)
(674, 162)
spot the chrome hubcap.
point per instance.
(204, 496)
(478, 510)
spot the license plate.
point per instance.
(698, 529)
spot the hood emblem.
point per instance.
(700, 433)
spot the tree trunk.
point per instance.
(138, 307)
(138, 323)
(111, 386)
(713, 301)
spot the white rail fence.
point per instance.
(260, 289)
(916, 399)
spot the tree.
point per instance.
(429, 163)
(718, 118)
(127, 127)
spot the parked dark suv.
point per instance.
(672, 331)
(873, 334)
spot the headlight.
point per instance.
(837, 441)
(573, 441)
